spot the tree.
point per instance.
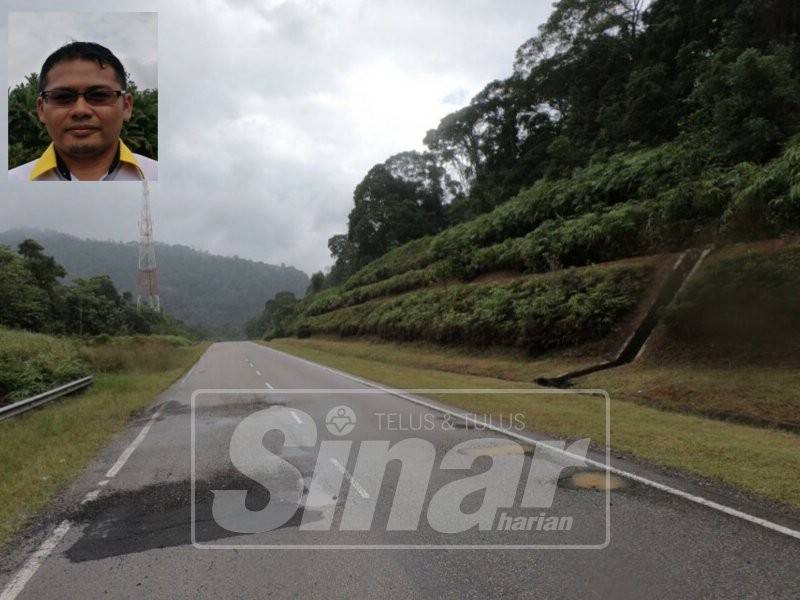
(510, 132)
(27, 136)
(346, 262)
(718, 78)
(275, 317)
(93, 306)
(24, 303)
(575, 24)
(316, 284)
(398, 201)
(455, 143)
(748, 106)
(44, 268)
(141, 132)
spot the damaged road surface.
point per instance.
(146, 518)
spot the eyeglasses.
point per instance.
(69, 97)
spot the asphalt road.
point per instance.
(126, 522)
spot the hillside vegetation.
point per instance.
(215, 294)
(632, 205)
(534, 313)
(627, 129)
(34, 298)
(638, 122)
(31, 363)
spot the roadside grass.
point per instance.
(43, 450)
(758, 460)
(136, 354)
(31, 363)
(513, 365)
(761, 396)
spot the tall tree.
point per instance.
(316, 284)
(24, 303)
(44, 268)
(748, 107)
(398, 200)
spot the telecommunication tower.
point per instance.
(147, 277)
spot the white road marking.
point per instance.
(356, 486)
(266, 383)
(17, 584)
(134, 444)
(258, 372)
(296, 417)
(626, 474)
(189, 374)
(90, 496)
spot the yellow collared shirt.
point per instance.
(131, 167)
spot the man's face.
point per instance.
(80, 129)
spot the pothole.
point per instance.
(593, 480)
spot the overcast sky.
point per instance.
(271, 111)
(132, 37)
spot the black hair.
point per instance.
(83, 51)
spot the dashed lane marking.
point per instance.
(18, 582)
(615, 471)
(356, 486)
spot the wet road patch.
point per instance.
(158, 516)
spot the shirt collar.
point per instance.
(48, 161)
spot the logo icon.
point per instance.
(340, 420)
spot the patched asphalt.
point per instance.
(135, 539)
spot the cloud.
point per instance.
(132, 37)
(271, 112)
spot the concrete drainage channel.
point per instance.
(17, 408)
(684, 268)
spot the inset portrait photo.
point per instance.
(82, 96)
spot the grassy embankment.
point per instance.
(32, 363)
(717, 392)
(720, 358)
(730, 344)
(754, 459)
(637, 203)
(44, 449)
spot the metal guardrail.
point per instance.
(24, 405)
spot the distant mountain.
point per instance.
(216, 293)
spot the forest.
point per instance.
(214, 295)
(626, 129)
(33, 298)
(667, 94)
